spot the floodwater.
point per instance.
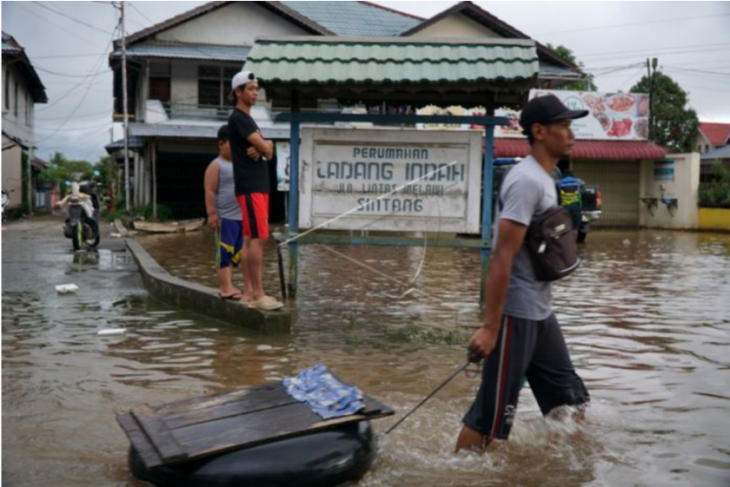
(647, 320)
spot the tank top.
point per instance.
(226, 204)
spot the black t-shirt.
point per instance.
(250, 176)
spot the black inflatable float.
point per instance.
(323, 459)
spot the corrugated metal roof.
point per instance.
(188, 51)
(355, 18)
(600, 150)
(362, 60)
(145, 130)
(721, 153)
(135, 143)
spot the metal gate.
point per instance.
(619, 182)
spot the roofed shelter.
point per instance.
(397, 72)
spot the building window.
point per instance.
(214, 84)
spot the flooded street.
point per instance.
(647, 320)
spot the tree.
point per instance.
(675, 125)
(62, 169)
(586, 84)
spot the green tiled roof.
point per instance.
(373, 61)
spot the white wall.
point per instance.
(236, 24)
(683, 186)
(12, 173)
(184, 82)
(458, 25)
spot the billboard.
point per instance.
(613, 116)
(391, 180)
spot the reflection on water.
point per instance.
(647, 322)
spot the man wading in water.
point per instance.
(521, 336)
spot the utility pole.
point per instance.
(651, 69)
(125, 110)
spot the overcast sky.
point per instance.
(613, 39)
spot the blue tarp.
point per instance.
(325, 395)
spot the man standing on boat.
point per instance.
(224, 217)
(251, 156)
(521, 337)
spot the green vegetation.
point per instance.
(716, 194)
(586, 84)
(675, 125)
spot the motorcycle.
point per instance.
(82, 225)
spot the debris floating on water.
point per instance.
(112, 331)
(67, 288)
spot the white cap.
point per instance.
(242, 78)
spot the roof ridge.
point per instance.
(389, 9)
(193, 13)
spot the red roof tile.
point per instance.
(588, 149)
(716, 133)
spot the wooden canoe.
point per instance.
(170, 227)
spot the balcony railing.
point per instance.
(181, 111)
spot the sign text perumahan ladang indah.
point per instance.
(372, 172)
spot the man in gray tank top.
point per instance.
(521, 337)
(224, 217)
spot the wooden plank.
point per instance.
(262, 427)
(198, 427)
(259, 393)
(139, 440)
(243, 406)
(161, 437)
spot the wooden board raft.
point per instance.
(199, 427)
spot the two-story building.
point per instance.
(22, 89)
(179, 74)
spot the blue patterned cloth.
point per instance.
(325, 395)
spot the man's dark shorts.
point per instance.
(532, 349)
(230, 243)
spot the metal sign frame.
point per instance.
(293, 238)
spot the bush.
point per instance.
(717, 193)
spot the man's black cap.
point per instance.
(545, 109)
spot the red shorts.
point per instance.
(255, 210)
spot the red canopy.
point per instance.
(588, 149)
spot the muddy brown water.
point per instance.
(647, 320)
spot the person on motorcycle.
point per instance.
(85, 200)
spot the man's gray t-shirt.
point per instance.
(527, 191)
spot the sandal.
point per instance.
(266, 303)
(231, 297)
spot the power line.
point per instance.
(89, 75)
(615, 26)
(86, 93)
(63, 56)
(71, 18)
(658, 50)
(36, 14)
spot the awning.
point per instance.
(604, 150)
(178, 50)
(421, 71)
(342, 60)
